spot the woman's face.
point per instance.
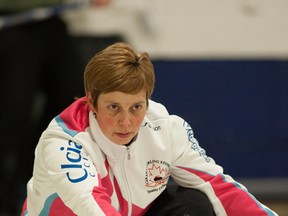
(119, 115)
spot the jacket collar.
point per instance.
(112, 150)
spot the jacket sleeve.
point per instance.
(193, 168)
(75, 179)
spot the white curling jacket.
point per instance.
(78, 171)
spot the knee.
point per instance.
(181, 201)
(194, 202)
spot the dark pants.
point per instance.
(179, 201)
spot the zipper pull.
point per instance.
(128, 153)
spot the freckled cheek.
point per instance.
(106, 124)
(138, 121)
(109, 122)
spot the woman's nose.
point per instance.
(125, 119)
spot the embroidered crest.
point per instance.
(157, 175)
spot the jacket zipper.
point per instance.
(126, 180)
(128, 152)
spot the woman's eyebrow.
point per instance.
(108, 101)
(140, 102)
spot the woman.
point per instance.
(113, 152)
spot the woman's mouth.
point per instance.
(124, 135)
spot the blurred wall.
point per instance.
(192, 29)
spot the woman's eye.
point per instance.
(113, 107)
(136, 107)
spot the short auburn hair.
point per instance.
(119, 68)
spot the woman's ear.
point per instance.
(90, 102)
